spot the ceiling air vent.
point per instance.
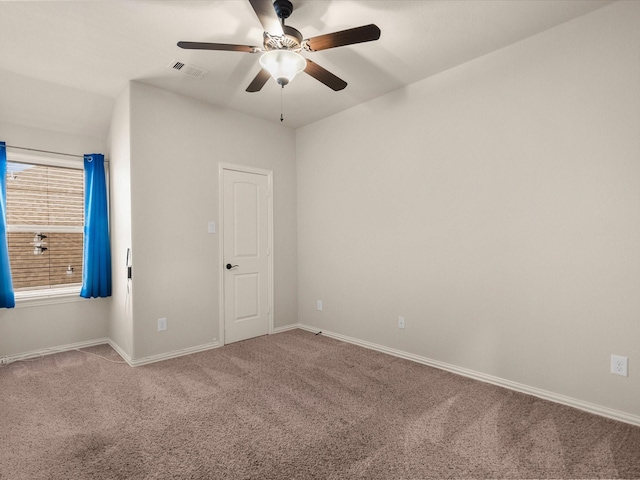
(191, 70)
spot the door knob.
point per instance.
(229, 266)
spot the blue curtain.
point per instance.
(96, 274)
(7, 299)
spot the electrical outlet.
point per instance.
(400, 322)
(320, 305)
(162, 324)
(619, 365)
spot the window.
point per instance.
(45, 218)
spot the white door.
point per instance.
(245, 255)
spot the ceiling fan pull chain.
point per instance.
(281, 90)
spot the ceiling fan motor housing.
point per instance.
(291, 40)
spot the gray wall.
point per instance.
(31, 328)
(177, 145)
(495, 207)
(120, 322)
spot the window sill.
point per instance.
(48, 296)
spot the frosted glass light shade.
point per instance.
(283, 65)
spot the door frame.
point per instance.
(257, 171)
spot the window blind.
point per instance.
(49, 201)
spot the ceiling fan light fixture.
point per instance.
(283, 65)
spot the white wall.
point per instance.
(27, 329)
(176, 147)
(496, 207)
(51, 107)
(164, 153)
(120, 324)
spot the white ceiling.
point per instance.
(62, 61)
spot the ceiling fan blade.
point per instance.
(267, 16)
(324, 76)
(366, 33)
(258, 82)
(218, 46)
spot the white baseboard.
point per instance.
(501, 382)
(180, 353)
(166, 356)
(120, 351)
(106, 341)
(483, 377)
(186, 351)
(50, 351)
(286, 328)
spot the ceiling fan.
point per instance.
(282, 45)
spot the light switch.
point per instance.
(211, 228)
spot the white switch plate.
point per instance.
(211, 227)
(162, 324)
(400, 322)
(320, 305)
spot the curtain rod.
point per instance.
(48, 151)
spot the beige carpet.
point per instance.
(289, 406)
